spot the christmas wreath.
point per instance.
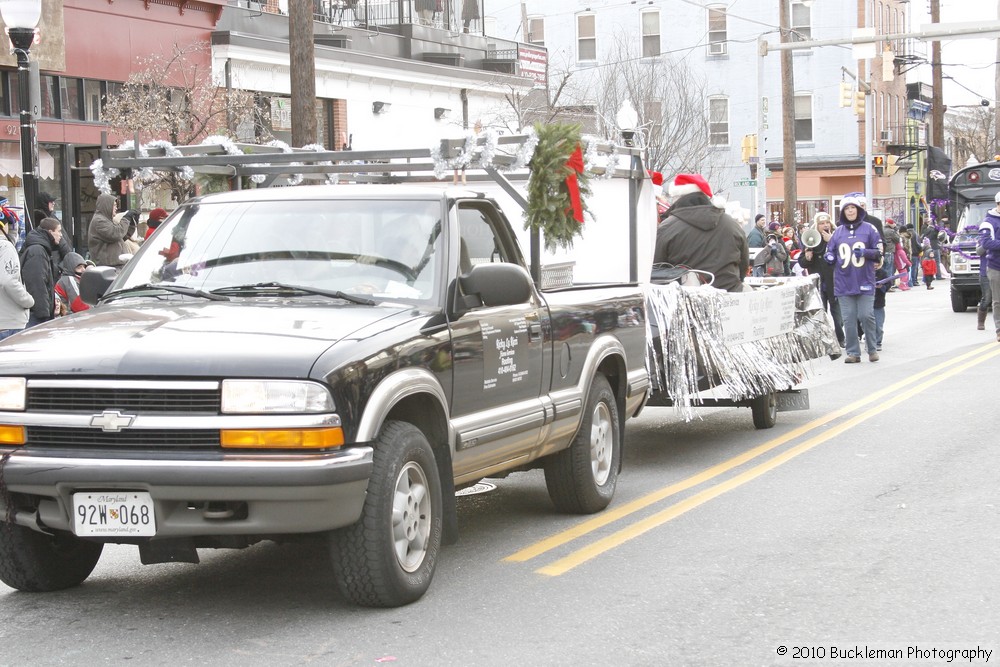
(558, 186)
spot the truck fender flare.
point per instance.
(393, 389)
(604, 346)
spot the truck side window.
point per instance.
(478, 239)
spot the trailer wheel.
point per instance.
(387, 558)
(765, 410)
(957, 301)
(37, 562)
(582, 478)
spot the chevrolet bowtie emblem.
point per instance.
(112, 420)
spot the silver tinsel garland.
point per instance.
(687, 350)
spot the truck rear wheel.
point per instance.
(582, 478)
(37, 562)
(387, 558)
(957, 301)
(765, 410)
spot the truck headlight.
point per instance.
(271, 396)
(13, 393)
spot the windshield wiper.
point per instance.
(272, 287)
(176, 289)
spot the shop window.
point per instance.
(70, 100)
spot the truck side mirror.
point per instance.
(95, 282)
(499, 284)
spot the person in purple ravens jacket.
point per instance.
(989, 240)
(854, 250)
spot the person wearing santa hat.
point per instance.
(700, 235)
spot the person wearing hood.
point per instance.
(854, 250)
(105, 236)
(700, 235)
(15, 300)
(37, 271)
(68, 286)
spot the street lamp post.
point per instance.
(21, 18)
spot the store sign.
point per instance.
(281, 114)
(534, 63)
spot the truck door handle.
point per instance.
(534, 331)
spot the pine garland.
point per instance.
(549, 207)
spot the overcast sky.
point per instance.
(971, 62)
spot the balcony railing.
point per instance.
(453, 15)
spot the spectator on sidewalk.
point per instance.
(41, 246)
(15, 300)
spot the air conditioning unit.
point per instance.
(885, 136)
(717, 49)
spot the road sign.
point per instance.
(746, 182)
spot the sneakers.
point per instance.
(873, 356)
(857, 360)
(879, 347)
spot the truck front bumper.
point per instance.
(274, 494)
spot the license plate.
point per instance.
(113, 514)
(793, 399)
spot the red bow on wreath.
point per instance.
(575, 165)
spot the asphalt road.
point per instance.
(869, 523)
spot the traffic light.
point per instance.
(749, 147)
(878, 164)
(859, 102)
(890, 164)
(846, 94)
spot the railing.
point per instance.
(453, 15)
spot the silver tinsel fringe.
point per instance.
(687, 351)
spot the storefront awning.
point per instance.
(10, 161)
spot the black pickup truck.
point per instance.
(313, 361)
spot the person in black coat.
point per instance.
(811, 259)
(38, 274)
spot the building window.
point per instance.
(7, 81)
(111, 89)
(650, 33)
(69, 98)
(586, 37)
(536, 30)
(50, 96)
(91, 100)
(801, 21)
(803, 117)
(717, 31)
(718, 121)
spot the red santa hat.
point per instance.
(685, 184)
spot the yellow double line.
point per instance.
(892, 395)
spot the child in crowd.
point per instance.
(927, 264)
(68, 286)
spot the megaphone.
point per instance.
(811, 237)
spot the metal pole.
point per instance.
(761, 128)
(865, 75)
(789, 171)
(21, 38)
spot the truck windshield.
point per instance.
(380, 249)
(974, 214)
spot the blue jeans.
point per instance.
(915, 270)
(879, 325)
(854, 309)
(7, 333)
(984, 287)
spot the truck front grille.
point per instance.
(49, 397)
(45, 436)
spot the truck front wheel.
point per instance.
(387, 558)
(957, 301)
(582, 478)
(36, 562)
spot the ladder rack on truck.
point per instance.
(482, 158)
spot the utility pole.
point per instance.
(996, 89)
(302, 71)
(788, 169)
(937, 83)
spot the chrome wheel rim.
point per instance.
(411, 517)
(601, 443)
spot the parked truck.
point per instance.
(321, 361)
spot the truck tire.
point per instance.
(37, 563)
(765, 410)
(957, 301)
(582, 478)
(387, 558)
